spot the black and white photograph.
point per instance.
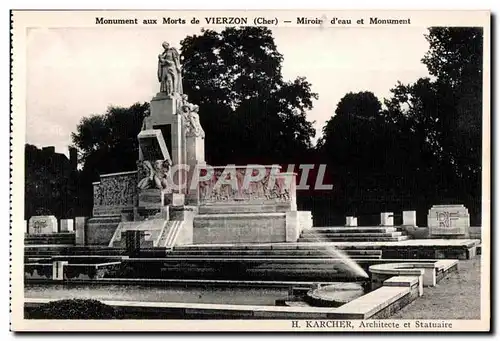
(250, 171)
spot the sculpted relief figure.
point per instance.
(147, 121)
(191, 118)
(169, 70)
(155, 175)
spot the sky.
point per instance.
(76, 72)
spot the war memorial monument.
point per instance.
(181, 239)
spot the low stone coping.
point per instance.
(303, 260)
(199, 306)
(367, 305)
(401, 281)
(403, 269)
(94, 264)
(445, 264)
(363, 307)
(38, 264)
(334, 295)
(48, 246)
(203, 282)
(240, 215)
(427, 270)
(77, 264)
(70, 257)
(117, 174)
(408, 268)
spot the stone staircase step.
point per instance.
(63, 238)
(357, 229)
(105, 218)
(348, 235)
(275, 253)
(92, 223)
(356, 239)
(270, 257)
(281, 246)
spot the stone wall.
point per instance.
(240, 228)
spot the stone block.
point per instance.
(80, 230)
(239, 228)
(386, 219)
(99, 234)
(175, 199)
(67, 225)
(42, 225)
(58, 270)
(475, 232)
(448, 221)
(292, 226)
(410, 218)
(195, 149)
(152, 145)
(162, 110)
(305, 220)
(351, 221)
(149, 198)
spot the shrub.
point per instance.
(73, 309)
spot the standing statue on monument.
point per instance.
(169, 71)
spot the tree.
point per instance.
(348, 136)
(108, 143)
(356, 143)
(235, 77)
(426, 143)
(455, 58)
(49, 183)
(445, 114)
(442, 118)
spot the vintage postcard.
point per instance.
(295, 171)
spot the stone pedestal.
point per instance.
(67, 225)
(150, 198)
(80, 230)
(410, 218)
(386, 219)
(42, 225)
(164, 113)
(448, 221)
(195, 150)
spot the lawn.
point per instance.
(455, 297)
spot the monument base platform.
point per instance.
(268, 227)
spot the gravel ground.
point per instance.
(455, 297)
